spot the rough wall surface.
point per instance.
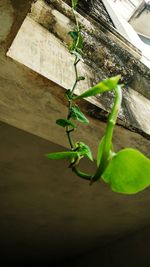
(105, 55)
(97, 10)
(33, 103)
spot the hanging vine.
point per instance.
(127, 171)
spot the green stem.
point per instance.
(76, 21)
(76, 75)
(82, 174)
(110, 125)
(68, 132)
(109, 134)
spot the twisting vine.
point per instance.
(127, 171)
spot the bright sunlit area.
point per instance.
(132, 19)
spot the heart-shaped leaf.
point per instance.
(63, 155)
(74, 35)
(65, 122)
(77, 41)
(105, 85)
(80, 78)
(128, 172)
(74, 3)
(76, 114)
(84, 150)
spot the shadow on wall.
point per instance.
(49, 215)
(132, 251)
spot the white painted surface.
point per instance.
(40, 50)
(119, 17)
(136, 100)
(125, 8)
(142, 23)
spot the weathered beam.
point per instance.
(122, 56)
(46, 53)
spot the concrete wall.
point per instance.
(105, 58)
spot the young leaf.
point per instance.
(105, 85)
(77, 41)
(80, 78)
(76, 114)
(128, 172)
(63, 155)
(65, 122)
(74, 3)
(74, 35)
(84, 150)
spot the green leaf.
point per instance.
(84, 150)
(77, 43)
(105, 85)
(62, 155)
(65, 122)
(75, 156)
(128, 172)
(74, 35)
(74, 3)
(80, 78)
(76, 114)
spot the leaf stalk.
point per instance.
(109, 134)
